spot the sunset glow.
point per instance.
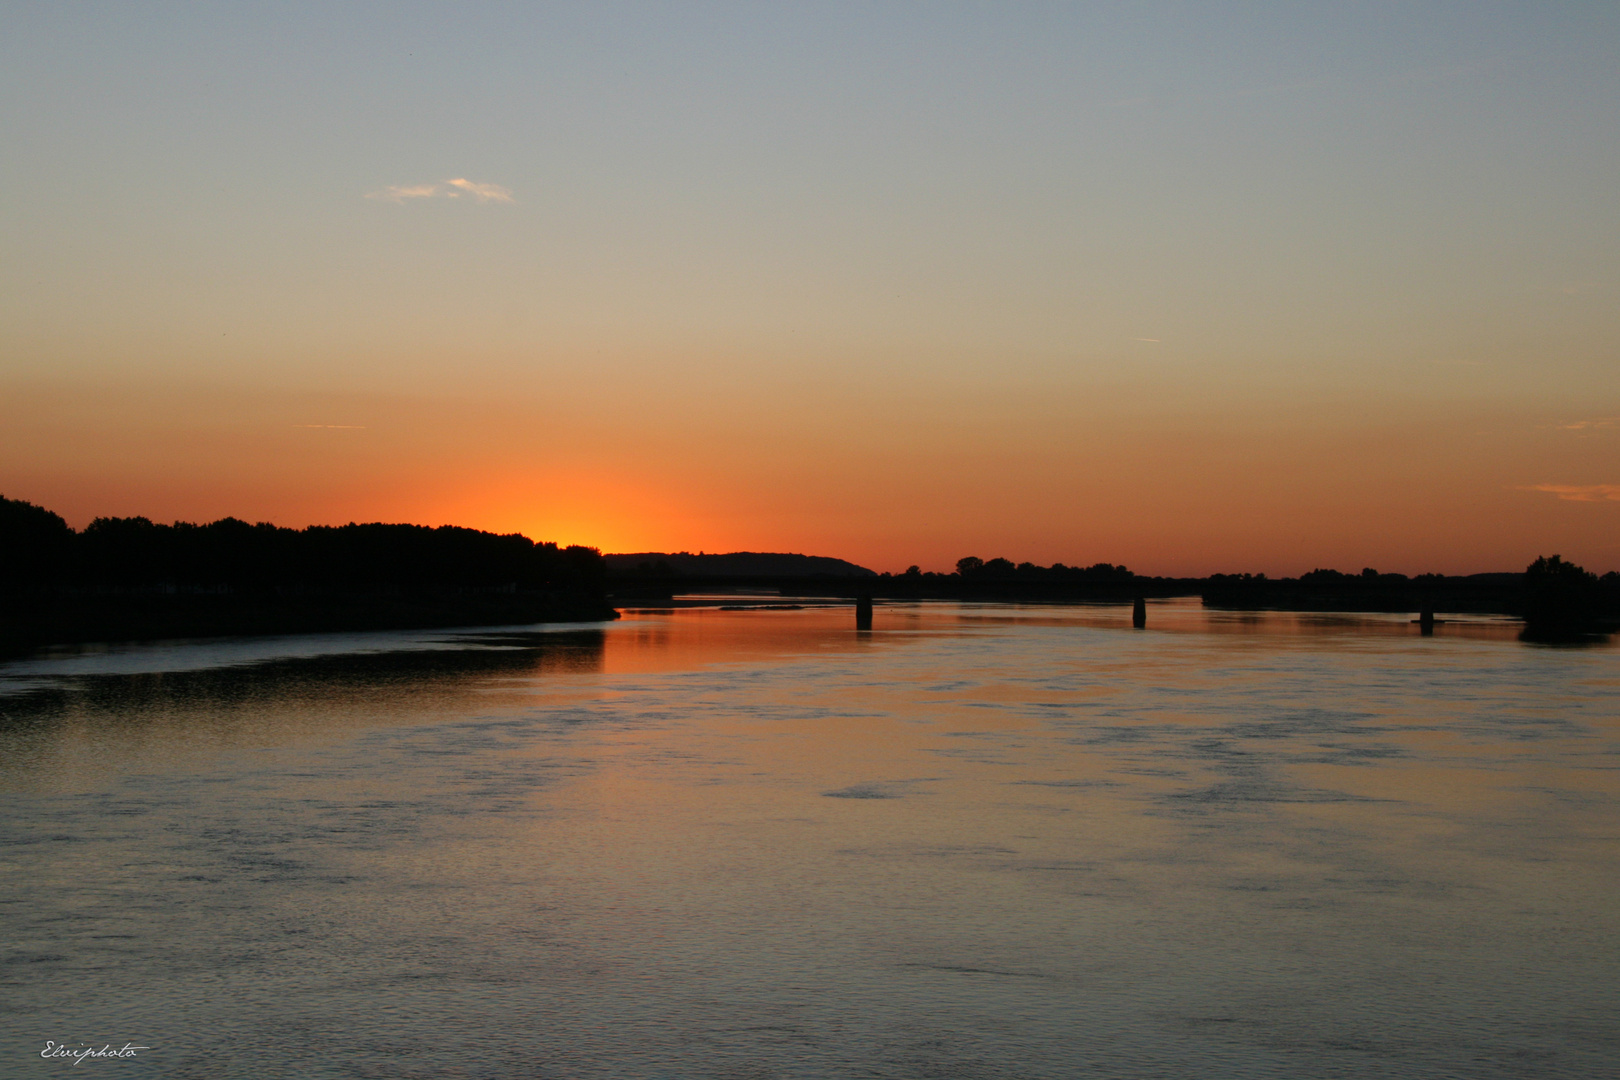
(1305, 286)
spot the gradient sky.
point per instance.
(1191, 287)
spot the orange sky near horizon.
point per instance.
(1165, 488)
(1187, 288)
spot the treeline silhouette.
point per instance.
(131, 577)
(1555, 597)
(37, 548)
(1550, 588)
(124, 577)
(1003, 579)
(974, 578)
(974, 568)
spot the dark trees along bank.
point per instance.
(131, 577)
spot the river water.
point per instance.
(977, 841)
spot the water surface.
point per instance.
(978, 841)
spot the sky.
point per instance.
(1188, 287)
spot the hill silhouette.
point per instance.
(738, 564)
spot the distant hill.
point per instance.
(735, 564)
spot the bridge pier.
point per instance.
(1139, 613)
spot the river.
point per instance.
(976, 841)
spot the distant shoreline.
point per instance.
(28, 624)
(131, 579)
(1592, 607)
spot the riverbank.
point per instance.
(30, 622)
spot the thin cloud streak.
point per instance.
(397, 194)
(1580, 492)
(450, 189)
(481, 192)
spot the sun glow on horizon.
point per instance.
(594, 510)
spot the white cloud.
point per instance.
(450, 189)
(481, 192)
(1580, 492)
